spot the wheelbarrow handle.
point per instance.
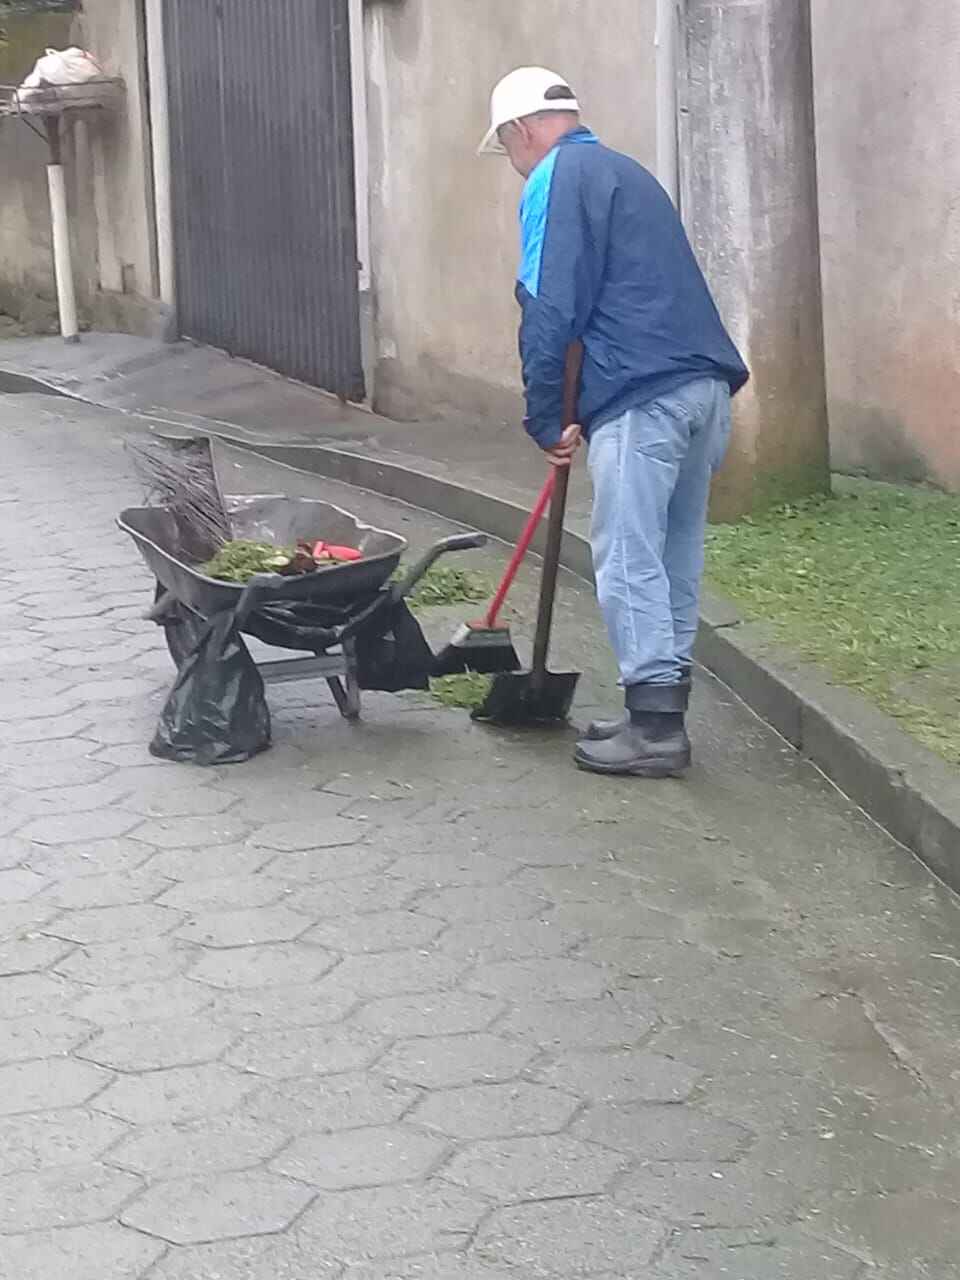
(458, 542)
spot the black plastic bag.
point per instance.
(217, 711)
(394, 654)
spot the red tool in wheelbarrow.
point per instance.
(484, 646)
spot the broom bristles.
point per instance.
(179, 475)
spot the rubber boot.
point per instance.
(652, 744)
(600, 730)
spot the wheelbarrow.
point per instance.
(186, 599)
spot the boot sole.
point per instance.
(647, 769)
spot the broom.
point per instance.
(484, 646)
(179, 475)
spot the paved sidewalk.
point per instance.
(417, 1001)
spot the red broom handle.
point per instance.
(523, 546)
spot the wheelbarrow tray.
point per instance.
(275, 519)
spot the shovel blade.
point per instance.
(516, 699)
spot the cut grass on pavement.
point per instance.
(442, 585)
(864, 583)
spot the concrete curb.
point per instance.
(905, 788)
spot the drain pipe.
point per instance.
(667, 47)
(62, 257)
(160, 147)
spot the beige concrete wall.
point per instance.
(108, 175)
(26, 255)
(888, 132)
(444, 222)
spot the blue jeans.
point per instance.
(651, 471)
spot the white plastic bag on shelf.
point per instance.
(59, 67)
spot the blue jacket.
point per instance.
(606, 259)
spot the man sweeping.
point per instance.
(605, 260)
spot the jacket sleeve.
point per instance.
(564, 234)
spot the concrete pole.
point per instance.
(60, 226)
(749, 192)
(667, 140)
(160, 144)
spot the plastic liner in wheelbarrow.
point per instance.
(217, 711)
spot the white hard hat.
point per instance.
(523, 93)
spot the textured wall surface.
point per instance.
(444, 220)
(888, 126)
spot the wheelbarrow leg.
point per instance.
(346, 692)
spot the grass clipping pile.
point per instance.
(240, 560)
(865, 584)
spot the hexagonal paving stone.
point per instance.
(315, 865)
(308, 1051)
(440, 1062)
(496, 1110)
(89, 858)
(51, 1082)
(142, 1001)
(448, 869)
(611, 1021)
(244, 928)
(110, 924)
(287, 1257)
(333, 899)
(368, 1157)
(97, 824)
(80, 1253)
(397, 973)
(53, 1138)
(176, 1094)
(195, 1210)
(288, 837)
(56, 773)
(384, 1222)
(434, 1013)
(314, 807)
(779, 1254)
(62, 1197)
(222, 862)
(20, 884)
(468, 904)
(662, 1133)
(508, 940)
(551, 978)
(446, 1266)
(713, 1194)
(31, 994)
(41, 1036)
(301, 1005)
(182, 802)
(541, 1168)
(223, 893)
(218, 1145)
(331, 1103)
(183, 833)
(131, 960)
(149, 1046)
(570, 1238)
(28, 954)
(115, 889)
(268, 965)
(18, 918)
(623, 1076)
(379, 931)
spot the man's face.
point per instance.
(517, 139)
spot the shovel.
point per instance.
(539, 696)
